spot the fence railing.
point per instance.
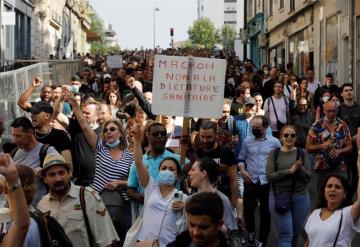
(13, 83)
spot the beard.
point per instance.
(60, 188)
(208, 145)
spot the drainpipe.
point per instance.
(2, 43)
(351, 7)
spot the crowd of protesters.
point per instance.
(109, 171)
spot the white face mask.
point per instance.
(325, 98)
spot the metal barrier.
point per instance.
(13, 83)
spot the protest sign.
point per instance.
(188, 87)
(114, 61)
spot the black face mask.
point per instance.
(256, 132)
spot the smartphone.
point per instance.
(178, 196)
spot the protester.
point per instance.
(288, 172)
(252, 164)
(334, 222)
(160, 208)
(41, 119)
(86, 225)
(209, 148)
(82, 154)
(203, 174)
(277, 109)
(113, 162)
(329, 139)
(204, 213)
(45, 94)
(17, 204)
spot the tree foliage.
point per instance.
(228, 35)
(203, 33)
(101, 47)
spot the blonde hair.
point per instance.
(123, 142)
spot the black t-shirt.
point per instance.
(83, 155)
(59, 139)
(351, 115)
(224, 156)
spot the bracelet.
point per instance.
(14, 186)
(359, 152)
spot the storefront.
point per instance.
(277, 56)
(256, 36)
(301, 51)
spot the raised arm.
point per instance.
(17, 203)
(89, 133)
(58, 108)
(144, 104)
(355, 210)
(23, 101)
(142, 172)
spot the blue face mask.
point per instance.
(114, 144)
(166, 177)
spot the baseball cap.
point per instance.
(107, 76)
(249, 101)
(41, 106)
(54, 160)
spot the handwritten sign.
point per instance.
(192, 88)
(114, 61)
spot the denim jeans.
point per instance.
(290, 224)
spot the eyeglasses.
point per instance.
(303, 105)
(287, 135)
(111, 129)
(157, 133)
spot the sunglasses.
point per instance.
(111, 129)
(287, 135)
(161, 133)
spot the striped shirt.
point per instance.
(108, 169)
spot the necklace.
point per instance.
(37, 133)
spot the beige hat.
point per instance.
(54, 160)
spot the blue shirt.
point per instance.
(244, 130)
(152, 165)
(254, 154)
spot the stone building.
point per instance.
(60, 29)
(322, 34)
(15, 30)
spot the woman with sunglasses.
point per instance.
(334, 222)
(288, 171)
(113, 161)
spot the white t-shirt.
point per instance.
(281, 110)
(312, 86)
(153, 215)
(323, 233)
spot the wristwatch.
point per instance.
(14, 186)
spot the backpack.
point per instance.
(52, 234)
(42, 153)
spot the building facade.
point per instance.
(15, 42)
(60, 29)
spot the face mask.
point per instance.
(114, 144)
(256, 132)
(166, 177)
(325, 98)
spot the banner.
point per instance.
(190, 87)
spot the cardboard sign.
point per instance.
(114, 61)
(188, 87)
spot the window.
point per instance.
(292, 5)
(281, 4)
(271, 4)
